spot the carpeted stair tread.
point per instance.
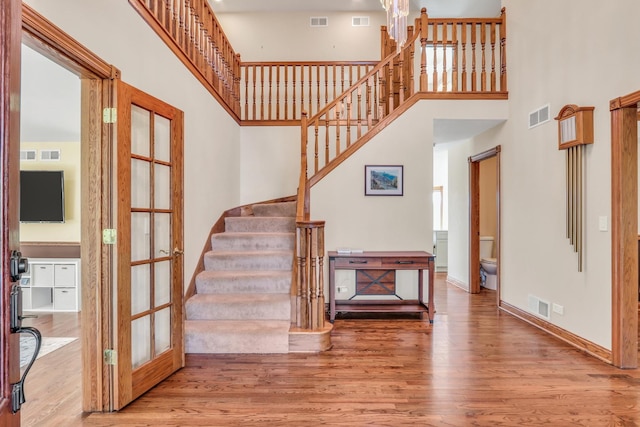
(252, 241)
(251, 224)
(275, 209)
(243, 297)
(232, 336)
(238, 306)
(248, 260)
(218, 282)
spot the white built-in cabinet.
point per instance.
(51, 284)
(441, 249)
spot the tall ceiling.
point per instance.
(435, 8)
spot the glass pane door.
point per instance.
(150, 283)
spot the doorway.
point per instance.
(475, 217)
(96, 79)
(624, 230)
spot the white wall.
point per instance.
(441, 178)
(458, 235)
(289, 37)
(117, 34)
(270, 162)
(69, 230)
(561, 62)
(392, 223)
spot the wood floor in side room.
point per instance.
(473, 366)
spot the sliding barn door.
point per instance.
(149, 242)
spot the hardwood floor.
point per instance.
(473, 366)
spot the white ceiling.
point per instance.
(49, 101)
(456, 130)
(435, 8)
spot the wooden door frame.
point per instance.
(9, 168)
(624, 230)
(97, 140)
(474, 219)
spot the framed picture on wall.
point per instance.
(383, 180)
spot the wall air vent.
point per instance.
(319, 21)
(28, 155)
(49, 154)
(539, 307)
(359, 21)
(538, 117)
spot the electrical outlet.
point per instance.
(557, 308)
(342, 289)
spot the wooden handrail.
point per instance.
(193, 33)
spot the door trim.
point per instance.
(97, 140)
(474, 219)
(9, 170)
(624, 230)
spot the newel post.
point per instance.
(310, 311)
(423, 55)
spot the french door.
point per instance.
(10, 23)
(149, 343)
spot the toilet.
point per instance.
(489, 265)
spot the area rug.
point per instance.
(49, 344)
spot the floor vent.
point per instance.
(538, 117)
(27, 154)
(49, 154)
(539, 307)
(359, 21)
(319, 21)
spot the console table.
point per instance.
(375, 275)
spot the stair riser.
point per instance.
(249, 224)
(251, 242)
(275, 209)
(237, 311)
(212, 285)
(215, 261)
(221, 343)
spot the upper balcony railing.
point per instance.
(280, 91)
(463, 58)
(193, 33)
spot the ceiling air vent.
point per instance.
(28, 155)
(319, 21)
(359, 21)
(538, 117)
(538, 307)
(49, 154)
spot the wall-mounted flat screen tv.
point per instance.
(41, 196)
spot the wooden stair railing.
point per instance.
(193, 33)
(464, 57)
(280, 91)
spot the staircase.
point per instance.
(242, 301)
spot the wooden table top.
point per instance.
(382, 254)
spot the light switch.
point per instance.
(603, 224)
